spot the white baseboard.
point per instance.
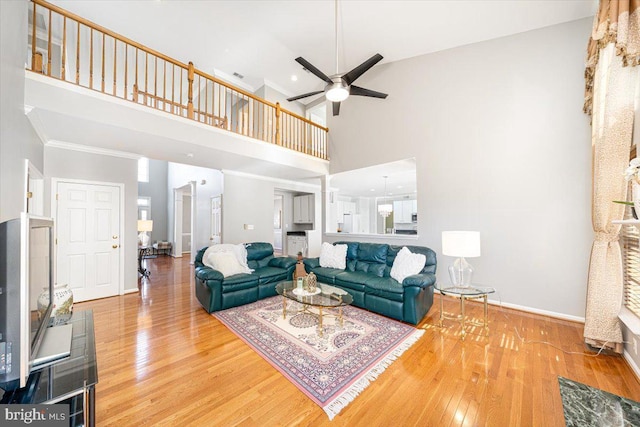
(538, 311)
(131, 291)
(632, 364)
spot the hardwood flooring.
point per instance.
(162, 360)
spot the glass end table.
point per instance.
(466, 293)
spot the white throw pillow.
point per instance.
(239, 251)
(226, 263)
(407, 264)
(333, 256)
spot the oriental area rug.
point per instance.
(332, 369)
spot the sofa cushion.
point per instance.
(259, 263)
(258, 250)
(373, 268)
(352, 249)
(326, 275)
(385, 287)
(239, 282)
(373, 252)
(270, 274)
(353, 280)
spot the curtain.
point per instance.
(613, 52)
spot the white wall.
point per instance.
(61, 163)
(274, 95)
(179, 175)
(249, 200)
(501, 146)
(18, 141)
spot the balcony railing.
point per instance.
(67, 47)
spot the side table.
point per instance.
(142, 252)
(465, 293)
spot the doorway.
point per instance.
(216, 220)
(184, 220)
(278, 207)
(89, 229)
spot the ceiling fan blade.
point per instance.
(295, 98)
(360, 91)
(352, 75)
(336, 108)
(306, 64)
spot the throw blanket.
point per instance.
(239, 251)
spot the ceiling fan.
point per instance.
(339, 86)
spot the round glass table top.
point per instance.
(329, 296)
(472, 290)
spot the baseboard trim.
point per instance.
(131, 291)
(632, 364)
(538, 311)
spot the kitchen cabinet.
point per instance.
(402, 210)
(345, 208)
(296, 244)
(303, 209)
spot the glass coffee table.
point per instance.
(464, 293)
(324, 297)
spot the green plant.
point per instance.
(623, 202)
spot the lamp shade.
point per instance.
(145, 225)
(465, 244)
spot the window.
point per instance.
(144, 207)
(630, 242)
(143, 169)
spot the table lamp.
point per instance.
(461, 244)
(144, 225)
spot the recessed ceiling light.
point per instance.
(294, 78)
(373, 189)
(399, 186)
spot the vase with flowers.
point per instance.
(632, 174)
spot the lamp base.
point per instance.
(143, 239)
(460, 273)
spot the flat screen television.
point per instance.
(26, 270)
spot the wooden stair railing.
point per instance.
(112, 64)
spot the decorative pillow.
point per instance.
(226, 263)
(239, 251)
(333, 256)
(407, 264)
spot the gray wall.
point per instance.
(273, 95)
(501, 146)
(249, 200)
(60, 163)
(18, 141)
(156, 189)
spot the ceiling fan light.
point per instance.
(337, 93)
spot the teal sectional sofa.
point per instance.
(216, 292)
(366, 277)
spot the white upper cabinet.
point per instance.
(303, 209)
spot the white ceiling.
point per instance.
(261, 38)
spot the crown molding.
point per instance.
(291, 183)
(92, 150)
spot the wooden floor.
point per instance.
(162, 360)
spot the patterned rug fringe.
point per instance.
(334, 407)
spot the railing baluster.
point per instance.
(103, 56)
(77, 56)
(190, 89)
(33, 41)
(48, 45)
(64, 47)
(115, 60)
(126, 70)
(91, 59)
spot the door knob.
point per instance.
(114, 246)
(115, 237)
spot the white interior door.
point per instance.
(88, 237)
(216, 220)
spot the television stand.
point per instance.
(70, 380)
